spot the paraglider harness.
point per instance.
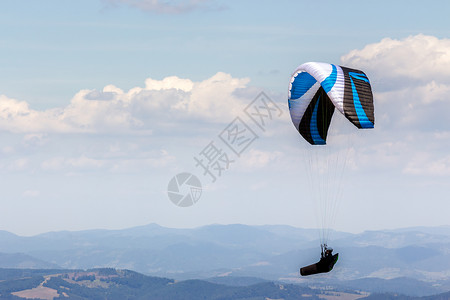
(327, 259)
(325, 264)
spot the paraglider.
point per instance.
(325, 264)
(316, 90)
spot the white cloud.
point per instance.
(35, 139)
(258, 159)
(18, 164)
(122, 163)
(410, 79)
(422, 107)
(16, 116)
(126, 165)
(8, 150)
(172, 82)
(139, 110)
(53, 164)
(214, 99)
(73, 163)
(426, 164)
(411, 83)
(415, 59)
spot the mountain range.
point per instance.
(414, 261)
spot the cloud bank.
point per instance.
(139, 110)
(411, 83)
(410, 79)
(419, 59)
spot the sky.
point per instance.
(103, 102)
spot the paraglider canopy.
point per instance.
(316, 89)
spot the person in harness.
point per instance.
(325, 264)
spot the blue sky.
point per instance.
(102, 102)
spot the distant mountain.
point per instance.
(270, 252)
(235, 280)
(443, 296)
(153, 249)
(400, 285)
(416, 236)
(394, 296)
(108, 283)
(123, 284)
(20, 260)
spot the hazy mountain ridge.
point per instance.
(124, 284)
(21, 260)
(108, 283)
(267, 252)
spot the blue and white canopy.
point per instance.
(316, 89)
